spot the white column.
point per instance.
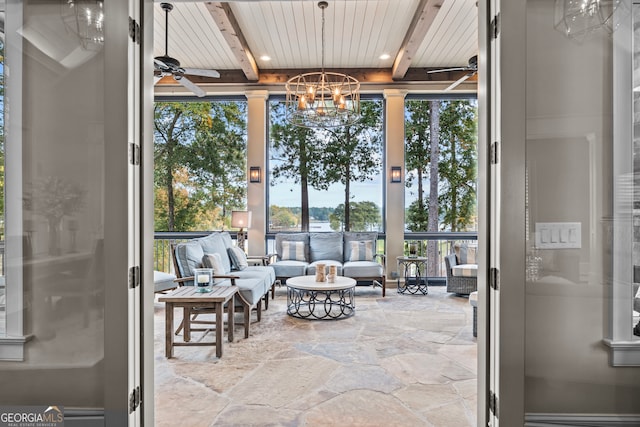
(394, 156)
(256, 156)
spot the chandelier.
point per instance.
(579, 18)
(322, 99)
(85, 19)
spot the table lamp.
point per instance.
(240, 220)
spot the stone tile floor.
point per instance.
(402, 360)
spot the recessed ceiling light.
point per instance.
(265, 58)
(385, 56)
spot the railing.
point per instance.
(444, 244)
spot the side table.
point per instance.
(414, 271)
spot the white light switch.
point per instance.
(558, 235)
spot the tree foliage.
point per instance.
(200, 163)
(365, 216)
(354, 153)
(296, 155)
(457, 158)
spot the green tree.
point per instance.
(296, 155)
(417, 155)
(458, 164)
(282, 218)
(365, 216)
(199, 163)
(354, 153)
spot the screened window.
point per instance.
(200, 164)
(329, 179)
(441, 165)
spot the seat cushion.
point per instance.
(266, 274)
(325, 246)
(465, 270)
(163, 281)
(290, 268)
(251, 289)
(356, 269)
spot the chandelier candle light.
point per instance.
(322, 99)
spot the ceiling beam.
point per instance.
(422, 20)
(228, 25)
(365, 76)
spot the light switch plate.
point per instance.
(558, 235)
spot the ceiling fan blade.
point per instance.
(201, 72)
(191, 86)
(443, 70)
(158, 63)
(459, 81)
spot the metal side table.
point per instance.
(414, 271)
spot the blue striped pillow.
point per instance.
(361, 251)
(293, 251)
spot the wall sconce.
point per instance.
(254, 174)
(396, 174)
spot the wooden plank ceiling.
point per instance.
(267, 42)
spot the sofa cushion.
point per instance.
(465, 254)
(350, 236)
(214, 262)
(214, 244)
(265, 274)
(289, 268)
(325, 246)
(238, 258)
(361, 250)
(188, 256)
(251, 289)
(311, 268)
(292, 237)
(163, 281)
(355, 269)
(226, 239)
(293, 251)
(465, 270)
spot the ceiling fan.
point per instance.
(472, 69)
(167, 66)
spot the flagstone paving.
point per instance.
(402, 360)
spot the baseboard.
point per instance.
(581, 420)
(84, 418)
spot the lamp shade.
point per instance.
(241, 219)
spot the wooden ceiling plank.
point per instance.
(232, 33)
(425, 14)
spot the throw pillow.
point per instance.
(213, 261)
(293, 251)
(465, 254)
(361, 251)
(238, 258)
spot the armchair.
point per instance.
(462, 271)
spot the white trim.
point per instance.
(12, 348)
(623, 353)
(581, 420)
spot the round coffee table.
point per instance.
(308, 299)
